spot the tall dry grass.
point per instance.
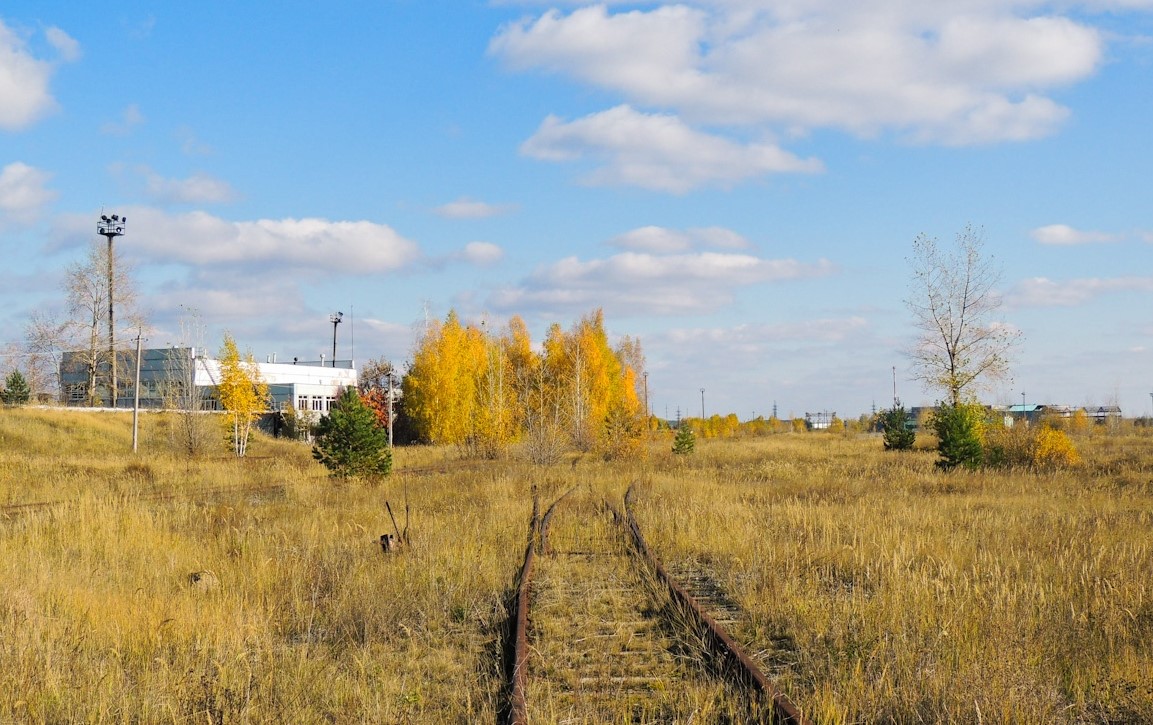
(876, 588)
(892, 592)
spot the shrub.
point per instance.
(1043, 446)
(894, 423)
(1053, 448)
(959, 431)
(16, 390)
(685, 440)
(348, 441)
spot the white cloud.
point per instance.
(656, 151)
(130, 118)
(1065, 235)
(65, 44)
(633, 283)
(662, 240)
(762, 338)
(196, 189)
(24, 191)
(482, 253)
(1044, 292)
(23, 83)
(270, 246)
(952, 72)
(465, 208)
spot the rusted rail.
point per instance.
(518, 703)
(724, 646)
(196, 494)
(764, 697)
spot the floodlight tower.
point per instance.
(335, 318)
(111, 227)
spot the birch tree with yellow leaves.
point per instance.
(242, 392)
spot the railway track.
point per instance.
(605, 634)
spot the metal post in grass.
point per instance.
(136, 398)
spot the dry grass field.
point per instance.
(876, 588)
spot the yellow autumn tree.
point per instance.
(440, 387)
(242, 392)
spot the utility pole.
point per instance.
(649, 413)
(335, 318)
(136, 398)
(702, 404)
(896, 401)
(390, 409)
(111, 227)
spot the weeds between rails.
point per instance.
(679, 660)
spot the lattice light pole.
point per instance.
(111, 227)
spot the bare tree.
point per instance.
(86, 287)
(961, 345)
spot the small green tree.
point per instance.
(349, 442)
(960, 435)
(685, 440)
(16, 390)
(894, 424)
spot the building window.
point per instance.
(318, 403)
(303, 404)
(76, 392)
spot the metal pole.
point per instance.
(335, 318)
(136, 398)
(390, 409)
(110, 228)
(702, 404)
(111, 327)
(649, 412)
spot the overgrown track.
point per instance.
(262, 491)
(611, 638)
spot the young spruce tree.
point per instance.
(349, 442)
(16, 390)
(685, 440)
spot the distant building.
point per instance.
(167, 375)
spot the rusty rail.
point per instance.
(201, 493)
(518, 704)
(784, 711)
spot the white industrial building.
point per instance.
(167, 373)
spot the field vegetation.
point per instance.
(876, 587)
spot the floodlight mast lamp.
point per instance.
(335, 318)
(110, 227)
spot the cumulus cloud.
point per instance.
(481, 253)
(269, 245)
(1065, 235)
(23, 82)
(130, 118)
(466, 208)
(65, 44)
(196, 189)
(662, 240)
(633, 283)
(23, 191)
(952, 72)
(755, 338)
(657, 151)
(1044, 292)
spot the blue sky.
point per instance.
(736, 182)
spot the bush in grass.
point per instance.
(685, 440)
(1053, 448)
(894, 423)
(1040, 446)
(349, 442)
(960, 433)
(16, 390)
